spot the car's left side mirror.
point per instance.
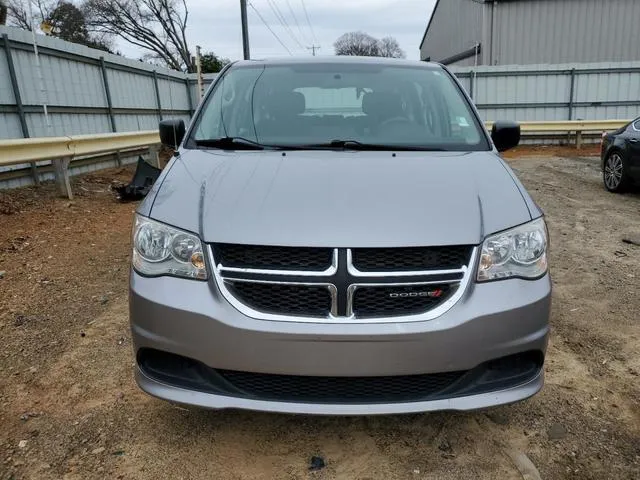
(505, 135)
(172, 132)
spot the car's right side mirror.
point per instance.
(505, 134)
(172, 132)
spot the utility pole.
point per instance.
(313, 49)
(199, 72)
(245, 29)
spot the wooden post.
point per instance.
(579, 139)
(61, 172)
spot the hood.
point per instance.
(340, 198)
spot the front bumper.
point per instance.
(192, 319)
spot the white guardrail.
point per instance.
(62, 150)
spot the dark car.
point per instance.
(620, 156)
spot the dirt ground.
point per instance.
(69, 407)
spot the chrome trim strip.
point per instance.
(409, 273)
(307, 273)
(332, 318)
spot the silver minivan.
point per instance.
(339, 235)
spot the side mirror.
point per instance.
(505, 135)
(172, 132)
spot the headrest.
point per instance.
(280, 104)
(382, 104)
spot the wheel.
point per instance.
(615, 176)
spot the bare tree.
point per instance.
(18, 12)
(158, 26)
(357, 43)
(3, 12)
(389, 47)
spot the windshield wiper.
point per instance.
(231, 143)
(357, 145)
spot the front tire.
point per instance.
(614, 173)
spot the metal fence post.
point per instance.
(186, 82)
(572, 88)
(155, 84)
(107, 91)
(16, 94)
(471, 84)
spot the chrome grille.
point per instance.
(411, 258)
(280, 298)
(337, 285)
(398, 300)
(273, 258)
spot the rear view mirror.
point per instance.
(505, 134)
(172, 132)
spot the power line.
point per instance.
(295, 19)
(267, 25)
(306, 14)
(283, 21)
(313, 49)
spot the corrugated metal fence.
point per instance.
(85, 90)
(597, 91)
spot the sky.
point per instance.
(215, 25)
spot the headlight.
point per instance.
(159, 249)
(519, 252)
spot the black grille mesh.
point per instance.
(411, 258)
(341, 389)
(274, 258)
(398, 300)
(310, 300)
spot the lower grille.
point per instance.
(284, 299)
(340, 389)
(186, 373)
(389, 301)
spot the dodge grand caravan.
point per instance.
(339, 236)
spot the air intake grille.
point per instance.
(412, 258)
(283, 299)
(273, 258)
(399, 300)
(342, 284)
(341, 389)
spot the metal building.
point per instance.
(507, 32)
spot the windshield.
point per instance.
(361, 104)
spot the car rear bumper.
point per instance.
(192, 319)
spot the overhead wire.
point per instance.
(283, 21)
(270, 29)
(306, 14)
(295, 20)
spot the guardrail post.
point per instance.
(16, 94)
(155, 84)
(578, 139)
(572, 88)
(61, 172)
